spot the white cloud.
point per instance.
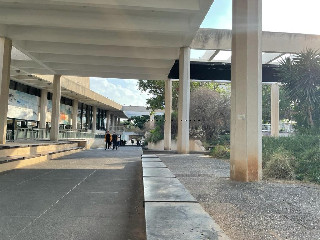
(122, 91)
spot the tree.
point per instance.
(137, 121)
(209, 113)
(301, 78)
(156, 89)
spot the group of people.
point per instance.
(113, 139)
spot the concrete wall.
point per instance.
(83, 81)
(195, 145)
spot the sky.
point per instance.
(294, 16)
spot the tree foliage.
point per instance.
(137, 121)
(301, 78)
(209, 113)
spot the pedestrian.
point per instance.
(107, 139)
(114, 141)
(132, 141)
(118, 140)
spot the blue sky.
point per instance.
(278, 16)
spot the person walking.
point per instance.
(107, 139)
(114, 141)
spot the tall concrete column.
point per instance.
(94, 119)
(75, 107)
(168, 110)
(5, 60)
(114, 120)
(151, 121)
(275, 110)
(55, 117)
(246, 88)
(43, 108)
(184, 101)
(111, 122)
(108, 122)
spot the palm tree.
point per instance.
(301, 78)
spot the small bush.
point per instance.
(280, 165)
(221, 151)
(308, 167)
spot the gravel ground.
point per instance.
(264, 210)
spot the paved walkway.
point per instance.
(90, 195)
(249, 211)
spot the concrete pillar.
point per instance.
(114, 120)
(43, 108)
(55, 117)
(246, 88)
(168, 110)
(151, 121)
(94, 119)
(5, 60)
(184, 101)
(108, 121)
(275, 110)
(75, 107)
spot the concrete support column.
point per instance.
(168, 110)
(55, 117)
(43, 108)
(75, 106)
(246, 97)
(275, 110)
(5, 60)
(151, 121)
(184, 101)
(108, 121)
(94, 119)
(111, 128)
(114, 120)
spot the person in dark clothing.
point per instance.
(107, 138)
(114, 141)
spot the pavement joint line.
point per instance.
(52, 205)
(27, 180)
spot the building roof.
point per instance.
(136, 39)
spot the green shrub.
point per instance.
(221, 151)
(308, 167)
(280, 165)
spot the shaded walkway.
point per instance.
(94, 194)
(249, 211)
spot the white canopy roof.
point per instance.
(101, 38)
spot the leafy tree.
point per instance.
(301, 78)
(156, 89)
(209, 114)
(137, 121)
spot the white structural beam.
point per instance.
(43, 108)
(270, 57)
(55, 117)
(94, 20)
(275, 110)
(184, 101)
(5, 58)
(97, 37)
(97, 50)
(246, 88)
(168, 110)
(155, 5)
(274, 42)
(103, 60)
(75, 106)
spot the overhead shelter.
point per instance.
(136, 39)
